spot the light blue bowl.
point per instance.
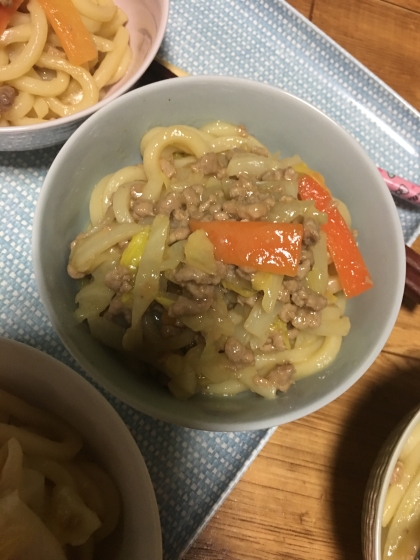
(110, 139)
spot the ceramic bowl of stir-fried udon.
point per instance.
(60, 61)
(390, 519)
(71, 486)
(218, 253)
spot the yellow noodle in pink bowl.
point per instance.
(62, 60)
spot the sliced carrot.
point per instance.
(263, 246)
(66, 21)
(348, 260)
(305, 170)
(6, 13)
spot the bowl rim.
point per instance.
(167, 415)
(409, 422)
(36, 364)
(85, 113)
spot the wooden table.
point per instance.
(301, 498)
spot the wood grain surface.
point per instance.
(301, 499)
(382, 34)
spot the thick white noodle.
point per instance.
(185, 137)
(32, 49)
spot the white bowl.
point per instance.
(50, 385)
(146, 24)
(110, 140)
(378, 484)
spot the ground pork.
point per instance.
(192, 195)
(305, 297)
(237, 353)
(136, 189)
(221, 216)
(180, 217)
(178, 234)
(288, 312)
(185, 306)
(205, 204)
(252, 211)
(289, 173)
(310, 232)
(272, 175)
(170, 202)
(117, 309)
(281, 377)
(287, 198)
(208, 164)
(238, 190)
(187, 273)
(230, 153)
(303, 268)
(200, 291)
(274, 342)
(167, 167)
(291, 284)
(306, 318)
(119, 280)
(305, 264)
(245, 272)
(284, 294)
(214, 208)
(7, 93)
(141, 208)
(242, 131)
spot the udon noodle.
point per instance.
(155, 288)
(38, 82)
(55, 501)
(401, 515)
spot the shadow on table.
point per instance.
(369, 424)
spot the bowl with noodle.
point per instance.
(70, 486)
(391, 513)
(216, 266)
(62, 61)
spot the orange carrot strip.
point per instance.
(351, 268)
(6, 13)
(305, 170)
(263, 246)
(71, 31)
